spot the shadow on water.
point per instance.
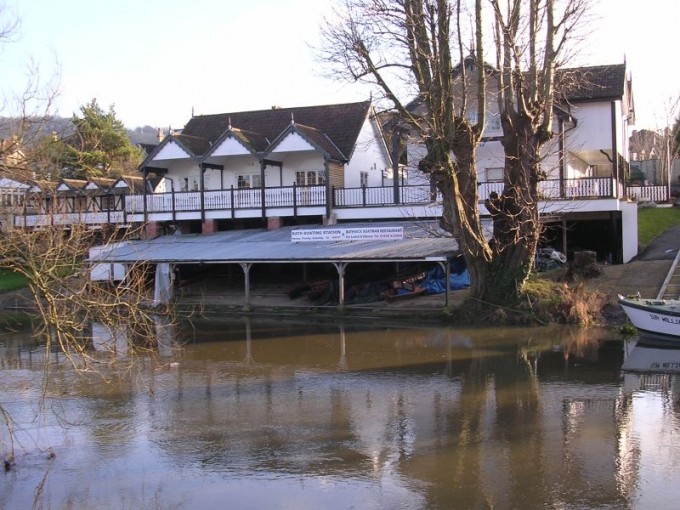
(272, 414)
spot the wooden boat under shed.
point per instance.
(339, 245)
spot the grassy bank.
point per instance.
(652, 221)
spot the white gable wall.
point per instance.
(622, 131)
(370, 155)
(293, 143)
(229, 147)
(594, 129)
(171, 151)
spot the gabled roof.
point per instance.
(195, 144)
(257, 141)
(75, 185)
(99, 182)
(253, 142)
(133, 182)
(591, 83)
(13, 184)
(43, 187)
(314, 137)
(177, 140)
(340, 123)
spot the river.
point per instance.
(265, 414)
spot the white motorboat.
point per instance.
(655, 316)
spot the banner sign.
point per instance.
(347, 234)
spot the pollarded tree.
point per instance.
(390, 43)
(99, 146)
(531, 40)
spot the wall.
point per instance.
(629, 222)
(370, 155)
(594, 130)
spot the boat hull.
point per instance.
(658, 317)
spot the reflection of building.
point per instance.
(116, 340)
(382, 418)
(463, 420)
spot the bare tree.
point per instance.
(531, 39)
(55, 264)
(54, 260)
(409, 46)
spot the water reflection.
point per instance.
(274, 415)
(117, 339)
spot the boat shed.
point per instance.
(339, 245)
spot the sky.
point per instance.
(159, 61)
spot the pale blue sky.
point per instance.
(157, 59)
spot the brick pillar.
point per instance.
(274, 223)
(152, 230)
(185, 228)
(209, 227)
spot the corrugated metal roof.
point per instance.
(421, 241)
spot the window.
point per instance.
(310, 177)
(249, 181)
(108, 203)
(363, 179)
(493, 120)
(319, 177)
(494, 174)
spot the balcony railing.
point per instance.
(300, 197)
(77, 218)
(244, 198)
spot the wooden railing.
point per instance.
(77, 218)
(652, 193)
(297, 197)
(233, 198)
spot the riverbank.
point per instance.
(645, 275)
(640, 275)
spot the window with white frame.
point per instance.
(310, 177)
(363, 179)
(493, 120)
(249, 181)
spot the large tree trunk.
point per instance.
(457, 182)
(516, 223)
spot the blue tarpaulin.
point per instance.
(435, 281)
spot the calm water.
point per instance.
(259, 415)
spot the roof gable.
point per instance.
(297, 137)
(230, 146)
(237, 142)
(591, 83)
(170, 148)
(291, 141)
(340, 124)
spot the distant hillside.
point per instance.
(62, 127)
